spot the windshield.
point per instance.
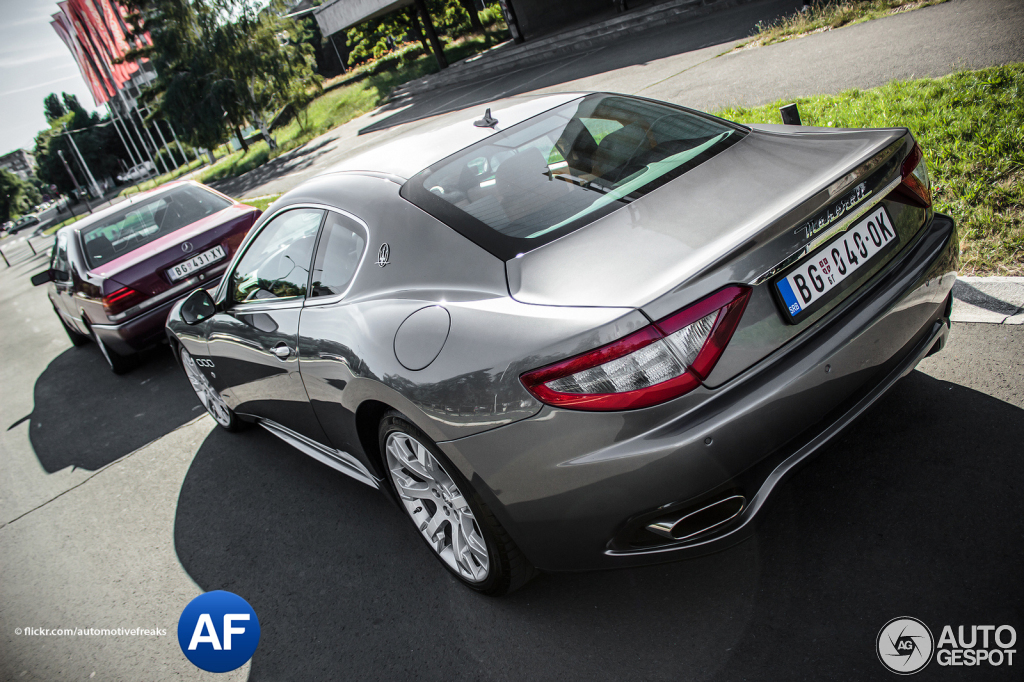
(147, 221)
(559, 171)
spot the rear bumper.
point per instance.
(576, 490)
(145, 329)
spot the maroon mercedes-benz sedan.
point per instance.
(116, 274)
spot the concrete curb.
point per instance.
(990, 300)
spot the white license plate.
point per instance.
(813, 279)
(197, 262)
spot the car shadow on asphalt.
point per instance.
(915, 510)
(85, 416)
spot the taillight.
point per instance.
(121, 300)
(660, 362)
(916, 187)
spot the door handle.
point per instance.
(282, 351)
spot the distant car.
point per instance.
(115, 274)
(136, 173)
(23, 222)
(574, 332)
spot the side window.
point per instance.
(59, 259)
(337, 257)
(276, 264)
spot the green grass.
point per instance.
(971, 128)
(825, 16)
(262, 203)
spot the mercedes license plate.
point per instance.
(197, 262)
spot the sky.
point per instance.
(33, 63)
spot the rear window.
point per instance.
(565, 168)
(146, 221)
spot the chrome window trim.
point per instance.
(221, 293)
(222, 290)
(841, 226)
(327, 300)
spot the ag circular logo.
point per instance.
(905, 645)
(218, 631)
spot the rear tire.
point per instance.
(450, 516)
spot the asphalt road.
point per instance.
(686, 64)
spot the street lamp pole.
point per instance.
(88, 174)
(60, 153)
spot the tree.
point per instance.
(98, 142)
(16, 196)
(269, 68)
(53, 108)
(222, 64)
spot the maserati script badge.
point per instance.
(834, 212)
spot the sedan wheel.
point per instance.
(207, 394)
(450, 517)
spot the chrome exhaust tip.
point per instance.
(698, 521)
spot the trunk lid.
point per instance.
(735, 211)
(145, 269)
(747, 216)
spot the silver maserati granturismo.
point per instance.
(578, 331)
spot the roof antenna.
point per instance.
(487, 121)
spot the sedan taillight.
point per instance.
(916, 187)
(124, 298)
(660, 362)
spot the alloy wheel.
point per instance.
(207, 394)
(437, 507)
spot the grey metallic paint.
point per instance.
(567, 485)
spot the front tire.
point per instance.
(208, 395)
(450, 516)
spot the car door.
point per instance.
(253, 341)
(328, 324)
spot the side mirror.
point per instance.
(42, 277)
(197, 307)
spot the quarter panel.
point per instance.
(347, 357)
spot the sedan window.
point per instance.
(147, 220)
(276, 263)
(338, 255)
(561, 170)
